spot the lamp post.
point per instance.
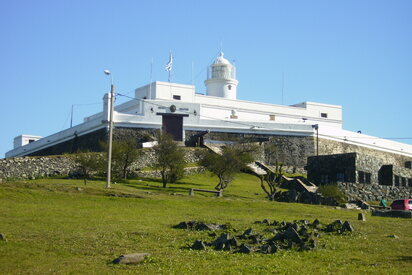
(110, 122)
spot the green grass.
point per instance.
(53, 227)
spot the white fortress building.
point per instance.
(299, 130)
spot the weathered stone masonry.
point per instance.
(38, 167)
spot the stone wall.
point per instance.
(34, 167)
(39, 167)
(374, 192)
(329, 147)
(292, 151)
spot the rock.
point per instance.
(347, 227)
(315, 223)
(248, 232)
(352, 206)
(244, 249)
(3, 237)
(266, 221)
(182, 225)
(361, 217)
(133, 258)
(393, 236)
(233, 242)
(292, 235)
(198, 245)
(265, 249)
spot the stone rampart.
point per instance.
(40, 167)
(374, 192)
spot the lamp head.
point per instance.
(107, 72)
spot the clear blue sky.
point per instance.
(357, 54)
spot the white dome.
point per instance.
(221, 60)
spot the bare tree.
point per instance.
(272, 180)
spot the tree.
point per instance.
(124, 154)
(231, 161)
(88, 163)
(169, 159)
(273, 180)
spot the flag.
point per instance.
(169, 65)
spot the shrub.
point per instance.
(333, 191)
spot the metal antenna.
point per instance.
(151, 77)
(283, 84)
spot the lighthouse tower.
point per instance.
(221, 79)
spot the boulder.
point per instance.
(198, 245)
(3, 237)
(133, 258)
(244, 249)
(347, 227)
(292, 235)
(361, 217)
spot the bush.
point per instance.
(333, 191)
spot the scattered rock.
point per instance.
(198, 245)
(292, 235)
(133, 258)
(297, 235)
(347, 227)
(361, 217)
(3, 237)
(195, 225)
(244, 249)
(393, 236)
(315, 223)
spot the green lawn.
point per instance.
(52, 227)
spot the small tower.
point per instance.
(221, 79)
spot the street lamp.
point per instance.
(110, 122)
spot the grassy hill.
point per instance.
(62, 226)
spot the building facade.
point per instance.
(299, 130)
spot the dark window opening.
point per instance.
(31, 140)
(403, 181)
(324, 115)
(410, 182)
(396, 180)
(408, 164)
(361, 177)
(385, 175)
(229, 87)
(368, 178)
(177, 97)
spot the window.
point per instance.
(403, 180)
(229, 87)
(361, 177)
(396, 180)
(272, 117)
(324, 179)
(408, 164)
(31, 140)
(324, 115)
(410, 182)
(177, 97)
(340, 177)
(368, 178)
